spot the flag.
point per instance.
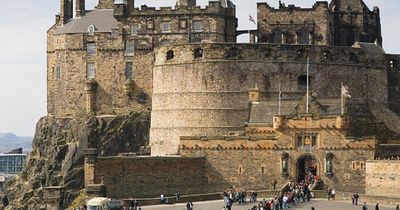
(345, 91)
(251, 19)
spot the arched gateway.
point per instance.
(305, 165)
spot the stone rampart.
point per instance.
(206, 85)
(383, 178)
(148, 177)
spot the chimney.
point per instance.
(66, 11)
(80, 8)
(185, 3)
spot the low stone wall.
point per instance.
(148, 177)
(383, 178)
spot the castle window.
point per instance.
(165, 42)
(165, 27)
(198, 53)
(134, 30)
(129, 70)
(149, 24)
(183, 24)
(130, 48)
(277, 37)
(58, 72)
(302, 83)
(304, 37)
(198, 26)
(114, 33)
(90, 70)
(170, 55)
(90, 48)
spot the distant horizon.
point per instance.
(23, 85)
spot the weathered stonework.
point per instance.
(383, 177)
(216, 118)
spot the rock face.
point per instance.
(57, 157)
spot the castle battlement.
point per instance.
(293, 8)
(214, 7)
(351, 56)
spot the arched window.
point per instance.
(277, 37)
(304, 37)
(290, 38)
(170, 55)
(198, 53)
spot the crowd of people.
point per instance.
(297, 193)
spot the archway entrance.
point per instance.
(306, 165)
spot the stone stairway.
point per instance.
(388, 117)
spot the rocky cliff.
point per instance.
(57, 157)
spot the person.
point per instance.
(329, 193)
(397, 207)
(191, 206)
(312, 208)
(188, 206)
(356, 196)
(162, 199)
(333, 194)
(377, 206)
(177, 196)
(364, 206)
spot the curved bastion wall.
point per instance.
(202, 89)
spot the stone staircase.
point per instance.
(388, 117)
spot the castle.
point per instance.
(233, 115)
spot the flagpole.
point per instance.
(249, 30)
(308, 83)
(280, 98)
(341, 99)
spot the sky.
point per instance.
(23, 26)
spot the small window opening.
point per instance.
(262, 170)
(170, 55)
(198, 53)
(90, 70)
(165, 27)
(58, 72)
(91, 48)
(240, 170)
(302, 82)
(134, 30)
(129, 70)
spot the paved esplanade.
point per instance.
(318, 204)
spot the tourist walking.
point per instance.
(162, 198)
(333, 193)
(177, 196)
(364, 206)
(397, 207)
(377, 206)
(329, 192)
(188, 206)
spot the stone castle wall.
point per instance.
(316, 21)
(260, 168)
(147, 177)
(208, 95)
(66, 88)
(383, 178)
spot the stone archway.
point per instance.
(306, 164)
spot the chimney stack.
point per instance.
(80, 8)
(66, 11)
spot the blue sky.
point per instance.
(23, 26)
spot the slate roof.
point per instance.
(102, 19)
(369, 47)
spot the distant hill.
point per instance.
(10, 141)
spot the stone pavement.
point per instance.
(319, 204)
